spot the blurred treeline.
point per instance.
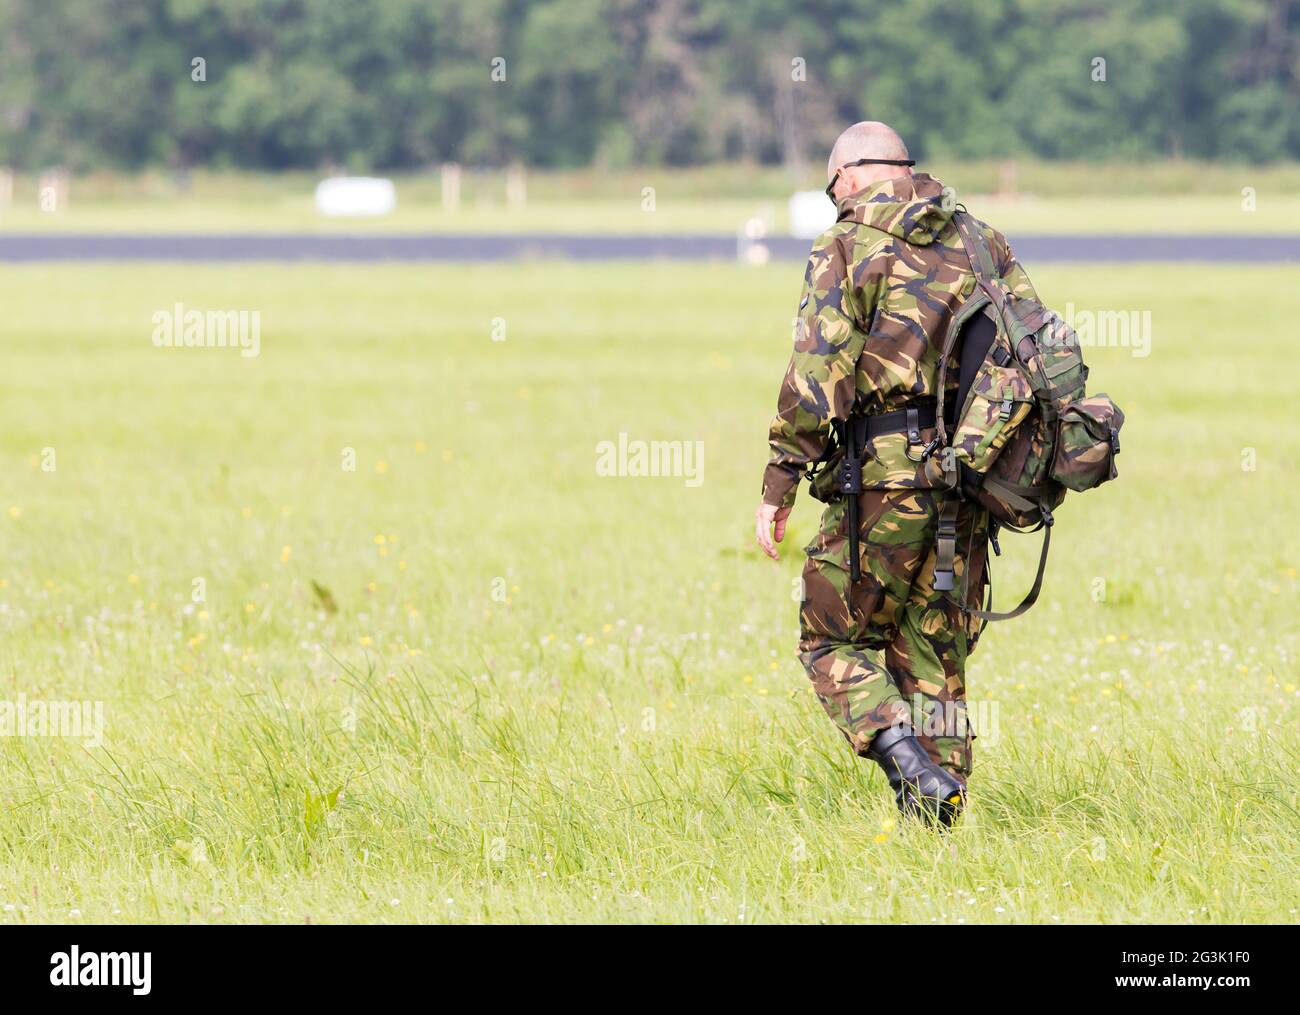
(404, 83)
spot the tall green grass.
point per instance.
(475, 681)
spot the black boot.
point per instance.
(921, 787)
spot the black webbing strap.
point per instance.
(848, 481)
(910, 419)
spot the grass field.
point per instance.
(1168, 197)
(535, 693)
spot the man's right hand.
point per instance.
(769, 527)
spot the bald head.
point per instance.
(868, 139)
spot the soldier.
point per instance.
(886, 653)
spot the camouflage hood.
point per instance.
(909, 207)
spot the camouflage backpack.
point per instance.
(1017, 429)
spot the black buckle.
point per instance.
(1114, 441)
(914, 438)
(931, 448)
(1005, 411)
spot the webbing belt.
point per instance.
(910, 419)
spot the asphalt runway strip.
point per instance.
(1036, 249)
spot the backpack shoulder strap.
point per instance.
(977, 247)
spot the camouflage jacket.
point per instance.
(880, 289)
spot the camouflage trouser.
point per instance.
(891, 648)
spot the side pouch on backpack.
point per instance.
(1087, 442)
(999, 401)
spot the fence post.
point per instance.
(450, 186)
